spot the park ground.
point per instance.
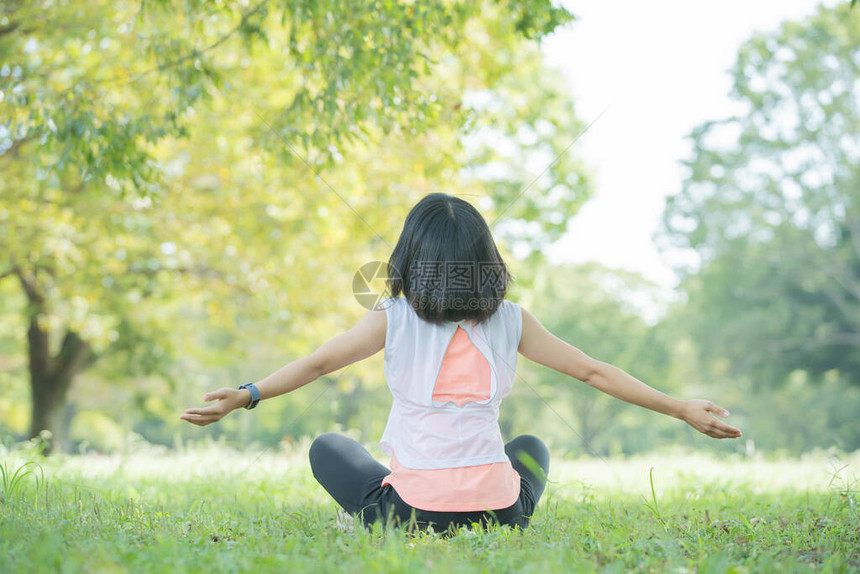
(215, 509)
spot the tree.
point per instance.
(163, 168)
(772, 207)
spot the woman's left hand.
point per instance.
(699, 414)
(228, 400)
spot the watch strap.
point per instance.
(255, 394)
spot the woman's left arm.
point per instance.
(541, 346)
(366, 338)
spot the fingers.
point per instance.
(722, 429)
(207, 415)
(195, 420)
(719, 429)
(703, 418)
(213, 413)
(717, 410)
(202, 416)
(729, 432)
(216, 395)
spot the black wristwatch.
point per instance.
(255, 394)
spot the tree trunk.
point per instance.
(50, 376)
(50, 380)
(48, 414)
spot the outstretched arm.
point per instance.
(541, 346)
(366, 338)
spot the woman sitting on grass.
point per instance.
(451, 346)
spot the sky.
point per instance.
(657, 69)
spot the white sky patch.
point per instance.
(662, 67)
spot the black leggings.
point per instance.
(354, 479)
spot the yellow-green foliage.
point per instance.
(191, 186)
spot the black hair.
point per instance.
(446, 263)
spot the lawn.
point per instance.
(213, 509)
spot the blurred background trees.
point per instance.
(771, 208)
(188, 184)
(188, 188)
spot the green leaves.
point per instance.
(190, 183)
(538, 19)
(772, 208)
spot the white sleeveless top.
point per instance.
(428, 434)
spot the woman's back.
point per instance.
(425, 363)
(448, 381)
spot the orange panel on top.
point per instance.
(465, 373)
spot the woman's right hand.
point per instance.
(228, 400)
(699, 414)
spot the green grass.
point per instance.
(216, 510)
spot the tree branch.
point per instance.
(37, 338)
(29, 286)
(836, 271)
(8, 273)
(16, 146)
(841, 303)
(75, 355)
(840, 339)
(198, 271)
(195, 53)
(9, 28)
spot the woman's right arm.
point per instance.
(541, 346)
(364, 339)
